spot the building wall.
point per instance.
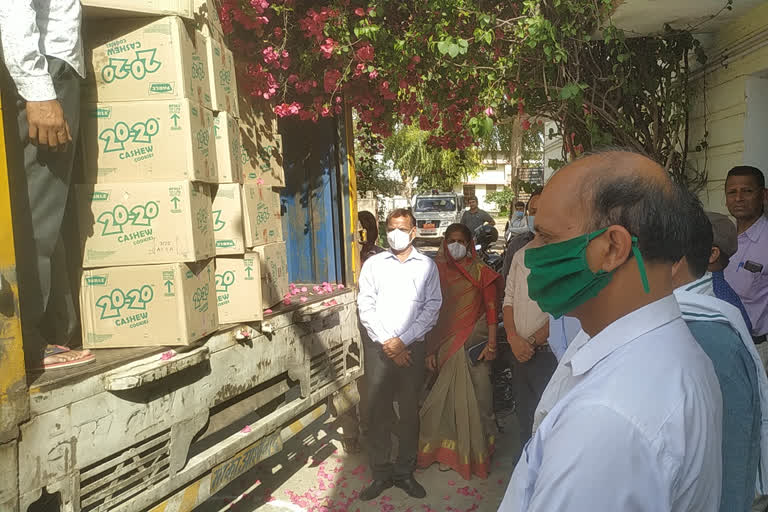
(733, 109)
(553, 149)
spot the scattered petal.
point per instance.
(303, 299)
(167, 355)
(246, 429)
(268, 311)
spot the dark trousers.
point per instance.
(40, 182)
(531, 378)
(388, 383)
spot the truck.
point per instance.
(138, 431)
(434, 212)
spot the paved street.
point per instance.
(314, 475)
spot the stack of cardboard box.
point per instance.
(246, 203)
(161, 144)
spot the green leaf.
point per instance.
(570, 91)
(488, 37)
(453, 50)
(622, 57)
(443, 45)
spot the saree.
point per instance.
(457, 424)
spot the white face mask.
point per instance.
(398, 240)
(457, 250)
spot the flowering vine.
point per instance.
(456, 67)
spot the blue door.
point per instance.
(310, 201)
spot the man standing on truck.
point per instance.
(399, 302)
(43, 56)
(475, 217)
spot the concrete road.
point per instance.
(314, 475)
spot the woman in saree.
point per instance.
(457, 423)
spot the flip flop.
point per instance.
(53, 350)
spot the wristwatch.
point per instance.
(532, 340)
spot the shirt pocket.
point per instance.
(758, 280)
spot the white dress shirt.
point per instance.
(399, 299)
(630, 421)
(30, 30)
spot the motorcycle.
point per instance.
(485, 236)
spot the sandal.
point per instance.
(54, 350)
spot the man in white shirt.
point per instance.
(399, 302)
(631, 419)
(517, 223)
(527, 330)
(43, 57)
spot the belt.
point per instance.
(760, 339)
(546, 348)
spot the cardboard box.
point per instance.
(207, 18)
(148, 305)
(228, 219)
(141, 223)
(262, 154)
(137, 59)
(223, 82)
(148, 141)
(274, 273)
(119, 8)
(229, 164)
(238, 288)
(261, 215)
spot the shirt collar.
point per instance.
(414, 254)
(756, 229)
(624, 330)
(702, 286)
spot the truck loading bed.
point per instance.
(109, 359)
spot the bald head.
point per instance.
(619, 188)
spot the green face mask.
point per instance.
(560, 278)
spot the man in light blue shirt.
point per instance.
(631, 420)
(561, 331)
(399, 302)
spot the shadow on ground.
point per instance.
(312, 474)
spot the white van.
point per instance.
(436, 211)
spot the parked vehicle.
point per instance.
(136, 430)
(485, 236)
(436, 211)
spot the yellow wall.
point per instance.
(726, 107)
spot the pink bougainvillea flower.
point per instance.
(365, 53)
(327, 48)
(303, 299)
(268, 311)
(303, 289)
(278, 32)
(360, 11)
(259, 5)
(246, 429)
(165, 356)
(526, 124)
(331, 79)
(341, 287)
(287, 302)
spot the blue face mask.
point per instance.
(519, 215)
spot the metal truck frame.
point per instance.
(163, 432)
